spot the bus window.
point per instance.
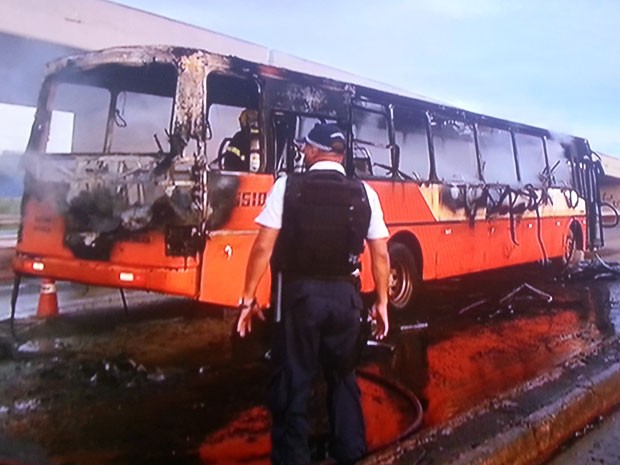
(138, 117)
(223, 124)
(531, 157)
(559, 164)
(371, 142)
(287, 128)
(233, 124)
(410, 132)
(496, 155)
(305, 123)
(90, 107)
(283, 125)
(455, 151)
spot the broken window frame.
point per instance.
(482, 152)
(252, 102)
(406, 115)
(391, 168)
(520, 156)
(459, 118)
(48, 93)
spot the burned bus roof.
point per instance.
(129, 56)
(172, 55)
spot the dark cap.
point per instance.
(326, 137)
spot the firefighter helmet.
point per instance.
(248, 118)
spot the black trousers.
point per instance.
(319, 329)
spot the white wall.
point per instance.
(96, 24)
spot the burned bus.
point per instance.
(139, 197)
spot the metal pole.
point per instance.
(122, 291)
(279, 297)
(16, 282)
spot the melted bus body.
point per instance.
(140, 197)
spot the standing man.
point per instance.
(313, 229)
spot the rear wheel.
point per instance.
(405, 278)
(569, 247)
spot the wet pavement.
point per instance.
(167, 383)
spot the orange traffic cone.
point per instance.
(48, 300)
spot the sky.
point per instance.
(548, 63)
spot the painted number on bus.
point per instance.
(251, 199)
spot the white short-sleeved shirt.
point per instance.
(271, 216)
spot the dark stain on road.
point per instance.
(168, 384)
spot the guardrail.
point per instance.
(9, 220)
(8, 231)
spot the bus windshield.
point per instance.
(113, 109)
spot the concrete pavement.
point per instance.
(598, 445)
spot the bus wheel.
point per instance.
(404, 276)
(569, 247)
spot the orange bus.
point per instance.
(125, 185)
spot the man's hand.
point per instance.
(379, 315)
(244, 325)
(380, 259)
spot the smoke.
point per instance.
(21, 74)
(23, 66)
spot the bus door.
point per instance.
(238, 181)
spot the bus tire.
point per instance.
(405, 278)
(570, 244)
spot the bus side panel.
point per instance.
(250, 199)
(223, 270)
(453, 249)
(402, 202)
(227, 250)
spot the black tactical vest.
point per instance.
(324, 223)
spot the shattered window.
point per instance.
(559, 165)
(89, 107)
(234, 129)
(411, 137)
(304, 123)
(117, 108)
(224, 123)
(371, 142)
(138, 119)
(455, 151)
(531, 156)
(496, 155)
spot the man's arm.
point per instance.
(257, 265)
(380, 260)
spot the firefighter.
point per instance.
(237, 154)
(313, 229)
